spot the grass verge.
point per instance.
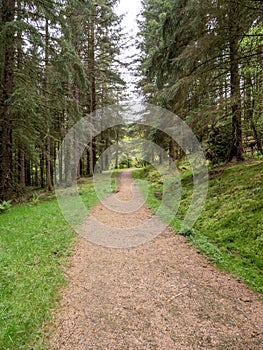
(35, 242)
(229, 229)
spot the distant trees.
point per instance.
(56, 65)
(205, 64)
(203, 60)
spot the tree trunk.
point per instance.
(92, 91)
(94, 151)
(91, 158)
(22, 180)
(92, 68)
(42, 166)
(67, 164)
(28, 173)
(21, 151)
(80, 168)
(36, 182)
(106, 160)
(236, 149)
(88, 162)
(54, 169)
(171, 153)
(49, 186)
(117, 149)
(6, 85)
(249, 111)
(60, 166)
(256, 136)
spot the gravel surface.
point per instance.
(159, 295)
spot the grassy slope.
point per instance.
(230, 228)
(35, 241)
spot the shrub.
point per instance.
(4, 206)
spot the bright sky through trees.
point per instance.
(131, 10)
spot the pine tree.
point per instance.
(52, 73)
(6, 86)
(195, 66)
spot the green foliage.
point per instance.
(154, 13)
(187, 231)
(219, 141)
(63, 64)
(35, 198)
(4, 206)
(188, 66)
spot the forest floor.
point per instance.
(162, 294)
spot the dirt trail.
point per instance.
(160, 295)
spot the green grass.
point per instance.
(105, 184)
(35, 242)
(229, 230)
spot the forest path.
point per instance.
(160, 295)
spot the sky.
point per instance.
(131, 9)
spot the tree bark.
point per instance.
(171, 153)
(22, 181)
(91, 158)
(236, 149)
(92, 91)
(49, 185)
(67, 164)
(6, 83)
(21, 149)
(94, 154)
(88, 162)
(249, 111)
(28, 173)
(42, 166)
(117, 149)
(106, 158)
(92, 68)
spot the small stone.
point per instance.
(246, 300)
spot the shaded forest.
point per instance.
(203, 60)
(59, 62)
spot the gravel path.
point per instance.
(160, 295)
